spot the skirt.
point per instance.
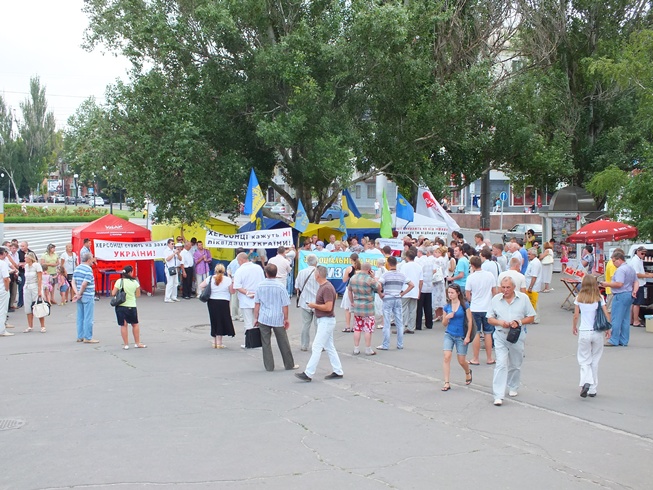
(220, 316)
(345, 304)
(439, 298)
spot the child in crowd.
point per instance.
(62, 284)
(47, 287)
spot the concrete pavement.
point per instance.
(182, 415)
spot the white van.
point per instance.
(635, 246)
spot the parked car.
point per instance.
(96, 201)
(519, 231)
(333, 212)
(275, 207)
(60, 198)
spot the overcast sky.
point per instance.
(44, 37)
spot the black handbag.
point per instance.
(172, 271)
(253, 338)
(206, 293)
(472, 334)
(601, 323)
(120, 296)
(513, 335)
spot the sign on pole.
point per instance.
(503, 196)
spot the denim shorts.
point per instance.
(450, 340)
(480, 320)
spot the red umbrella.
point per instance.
(603, 230)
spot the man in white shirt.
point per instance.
(173, 262)
(332, 243)
(282, 264)
(517, 277)
(4, 292)
(497, 252)
(247, 278)
(478, 242)
(414, 274)
(533, 279)
(236, 314)
(425, 302)
(637, 264)
(490, 265)
(307, 286)
(480, 287)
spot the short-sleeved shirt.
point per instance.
(248, 276)
(393, 283)
(325, 293)
(480, 284)
(524, 263)
(638, 266)
(219, 291)
(534, 270)
(520, 307)
(492, 267)
(518, 277)
(456, 326)
(84, 273)
(462, 266)
(4, 274)
(31, 274)
(587, 314)
(362, 286)
(69, 261)
(413, 272)
(130, 286)
(271, 297)
(627, 275)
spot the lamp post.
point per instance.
(75, 177)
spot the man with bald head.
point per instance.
(246, 279)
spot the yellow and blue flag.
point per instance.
(301, 218)
(404, 209)
(255, 200)
(351, 204)
(342, 227)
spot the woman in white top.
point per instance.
(218, 305)
(546, 258)
(590, 342)
(68, 261)
(33, 289)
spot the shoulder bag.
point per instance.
(120, 296)
(548, 259)
(601, 323)
(472, 334)
(206, 293)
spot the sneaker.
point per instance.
(513, 393)
(380, 347)
(168, 301)
(6, 334)
(176, 299)
(126, 347)
(498, 402)
(329, 376)
(356, 352)
(243, 346)
(303, 376)
(91, 341)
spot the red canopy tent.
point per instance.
(116, 229)
(603, 230)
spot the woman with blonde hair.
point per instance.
(33, 289)
(590, 342)
(218, 305)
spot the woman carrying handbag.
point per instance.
(126, 312)
(590, 339)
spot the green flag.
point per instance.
(386, 219)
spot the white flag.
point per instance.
(429, 206)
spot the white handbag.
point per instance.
(437, 276)
(41, 309)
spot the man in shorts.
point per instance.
(361, 296)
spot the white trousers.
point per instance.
(171, 285)
(590, 349)
(324, 340)
(509, 357)
(248, 318)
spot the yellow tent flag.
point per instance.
(386, 219)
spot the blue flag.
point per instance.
(255, 200)
(351, 204)
(404, 209)
(342, 227)
(301, 219)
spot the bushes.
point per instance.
(56, 214)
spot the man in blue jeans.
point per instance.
(84, 287)
(391, 285)
(624, 286)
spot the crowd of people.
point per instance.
(483, 293)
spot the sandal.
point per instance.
(43, 330)
(140, 346)
(349, 330)
(220, 346)
(468, 381)
(28, 330)
(473, 363)
(446, 387)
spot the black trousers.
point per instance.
(187, 282)
(424, 304)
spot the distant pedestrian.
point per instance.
(127, 313)
(5, 282)
(590, 342)
(323, 306)
(624, 287)
(218, 305)
(33, 289)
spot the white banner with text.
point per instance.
(106, 250)
(250, 239)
